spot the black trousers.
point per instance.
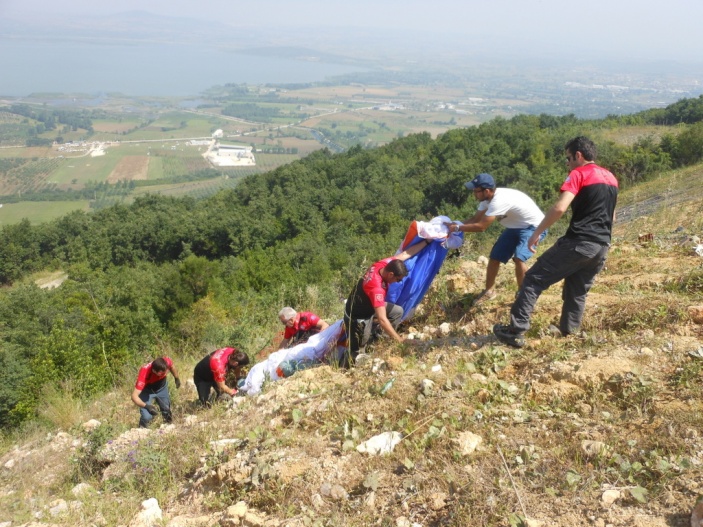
(359, 331)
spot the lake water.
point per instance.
(151, 69)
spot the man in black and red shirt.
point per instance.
(579, 255)
(368, 301)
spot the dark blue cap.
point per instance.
(481, 181)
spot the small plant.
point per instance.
(491, 360)
(632, 390)
(88, 462)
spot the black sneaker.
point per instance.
(508, 335)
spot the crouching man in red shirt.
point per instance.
(368, 300)
(151, 386)
(210, 373)
(299, 326)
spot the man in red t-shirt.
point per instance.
(152, 386)
(299, 326)
(211, 372)
(368, 301)
(578, 256)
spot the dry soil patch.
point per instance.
(130, 168)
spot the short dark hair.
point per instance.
(584, 145)
(159, 364)
(397, 267)
(241, 358)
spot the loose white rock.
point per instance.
(468, 443)
(149, 516)
(593, 448)
(91, 425)
(81, 489)
(610, 496)
(381, 444)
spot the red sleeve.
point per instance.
(573, 182)
(142, 376)
(290, 332)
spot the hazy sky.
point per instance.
(626, 28)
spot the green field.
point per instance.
(176, 125)
(78, 171)
(38, 211)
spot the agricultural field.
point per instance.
(27, 152)
(38, 211)
(114, 129)
(76, 172)
(197, 189)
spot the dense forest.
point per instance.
(178, 276)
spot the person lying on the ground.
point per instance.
(299, 326)
(517, 212)
(211, 372)
(152, 386)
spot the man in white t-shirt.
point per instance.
(516, 212)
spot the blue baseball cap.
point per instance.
(481, 181)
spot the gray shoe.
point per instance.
(554, 331)
(508, 335)
(484, 296)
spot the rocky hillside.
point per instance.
(600, 429)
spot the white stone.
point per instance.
(57, 507)
(91, 425)
(318, 502)
(468, 442)
(252, 519)
(9, 465)
(378, 365)
(238, 510)
(81, 489)
(593, 448)
(361, 359)
(427, 386)
(338, 493)
(436, 368)
(610, 496)
(149, 516)
(381, 444)
(445, 328)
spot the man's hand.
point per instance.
(533, 242)
(151, 409)
(178, 383)
(451, 227)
